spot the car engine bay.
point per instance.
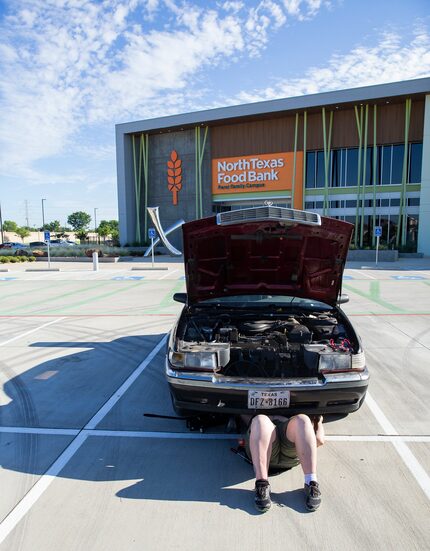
(279, 346)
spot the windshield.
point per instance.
(245, 301)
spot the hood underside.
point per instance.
(274, 257)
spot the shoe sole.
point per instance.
(262, 509)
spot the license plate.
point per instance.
(268, 399)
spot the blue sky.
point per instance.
(71, 69)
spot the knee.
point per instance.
(260, 420)
(303, 421)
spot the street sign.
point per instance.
(47, 236)
(151, 233)
(377, 231)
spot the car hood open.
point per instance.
(273, 257)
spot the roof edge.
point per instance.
(363, 93)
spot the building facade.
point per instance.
(360, 155)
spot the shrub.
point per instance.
(31, 258)
(4, 259)
(13, 259)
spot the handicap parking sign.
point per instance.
(151, 233)
(47, 236)
(378, 231)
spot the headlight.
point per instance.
(334, 362)
(206, 361)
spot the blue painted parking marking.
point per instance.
(410, 277)
(7, 278)
(347, 277)
(127, 278)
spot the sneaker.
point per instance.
(312, 496)
(262, 496)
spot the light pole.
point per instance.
(1, 227)
(43, 215)
(95, 222)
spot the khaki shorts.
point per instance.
(284, 455)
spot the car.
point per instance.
(37, 244)
(13, 245)
(61, 243)
(261, 329)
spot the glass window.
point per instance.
(352, 167)
(385, 202)
(320, 182)
(415, 163)
(368, 203)
(413, 202)
(386, 165)
(335, 204)
(309, 205)
(319, 204)
(351, 204)
(397, 164)
(395, 202)
(310, 169)
(336, 168)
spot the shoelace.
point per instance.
(262, 491)
(314, 490)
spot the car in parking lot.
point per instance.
(261, 329)
(62, 243)
(13, 245)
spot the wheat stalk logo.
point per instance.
(174, 175)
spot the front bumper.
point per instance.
(205, 392)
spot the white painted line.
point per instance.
(205, 436)
(402, 449)
(104, 410)
(37, 430)
(375, 438)
(362, 273)
(169, 273)
(18, 512)
(167, 435)
(26, 503)
(31, 331)
(379, 415)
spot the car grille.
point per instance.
(268, 213)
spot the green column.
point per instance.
(401, 226)
(327, 145)
(374, 166)
(199, 154)
(359, 121)
(293, 183)
(363, 187)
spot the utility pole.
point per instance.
(95, 222)
(43, 215)
(26, 213)
(1, 227)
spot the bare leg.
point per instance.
(262, 436)
(301, 432)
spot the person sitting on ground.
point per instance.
(276, 442)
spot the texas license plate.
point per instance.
(268, 399)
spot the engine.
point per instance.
(277, 348)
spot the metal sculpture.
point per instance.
(155, 217)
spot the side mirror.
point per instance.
(180, 297)
(342, 299)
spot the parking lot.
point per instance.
(81, 361)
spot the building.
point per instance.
(361, 155)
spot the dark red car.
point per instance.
(261, 329)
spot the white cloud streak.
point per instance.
(69, 65)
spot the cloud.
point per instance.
(66, 64)
(391, 60)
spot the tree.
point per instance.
(79, 220)
(54, 226)
(82, 235)
(9, 225)
(22, 232)
(108, 227)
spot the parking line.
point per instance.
(402, 449)
(26, 503)
(31, 331)
(362, 273)
(169, 273)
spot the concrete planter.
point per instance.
(103, 259)
(368, 256)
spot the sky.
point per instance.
(72, 69)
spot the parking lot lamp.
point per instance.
(43, 215)
(95, 221)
